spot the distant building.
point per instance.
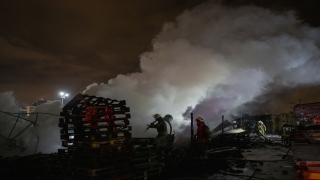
(302, 113)
(28, 110)
(273, 123)
(307, 113)
(39, 102)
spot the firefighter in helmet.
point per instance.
(161, 126)
(261, 128)
(203, 137)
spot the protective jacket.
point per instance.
(261, 128)
(203, 133)
(203, 137)
(161, 126)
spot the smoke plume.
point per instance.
(216, 60)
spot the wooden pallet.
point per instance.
(147, 166)
(103, 136)
(123, 176)
(98, 162)
(95, 144)
(106, 152)
(147, 171)
(113, 170)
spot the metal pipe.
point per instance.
(14, 126)
(38, 137)
(191, 127)
(242, 124)
(222, 130)
(222, 127)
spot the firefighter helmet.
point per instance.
(200, 119)
(156, 116)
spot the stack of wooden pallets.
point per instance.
(96, 136)
(146, 161)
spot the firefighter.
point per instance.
(161, 126)
(203, 138)
(261, 128)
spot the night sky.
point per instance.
(51, 46)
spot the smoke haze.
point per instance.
(212, 61)
(24, 135)
(216, 60)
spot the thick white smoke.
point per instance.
(213, 61)
(24, 135)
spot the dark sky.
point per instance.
(53, 45)
(48, 46)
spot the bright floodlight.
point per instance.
(62, 96)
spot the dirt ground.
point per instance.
(270, 163)
(264, 162)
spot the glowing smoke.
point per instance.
(217, 60)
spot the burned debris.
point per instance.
(96, 143)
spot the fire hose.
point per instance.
(149, 125)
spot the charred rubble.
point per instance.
(97, 144)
